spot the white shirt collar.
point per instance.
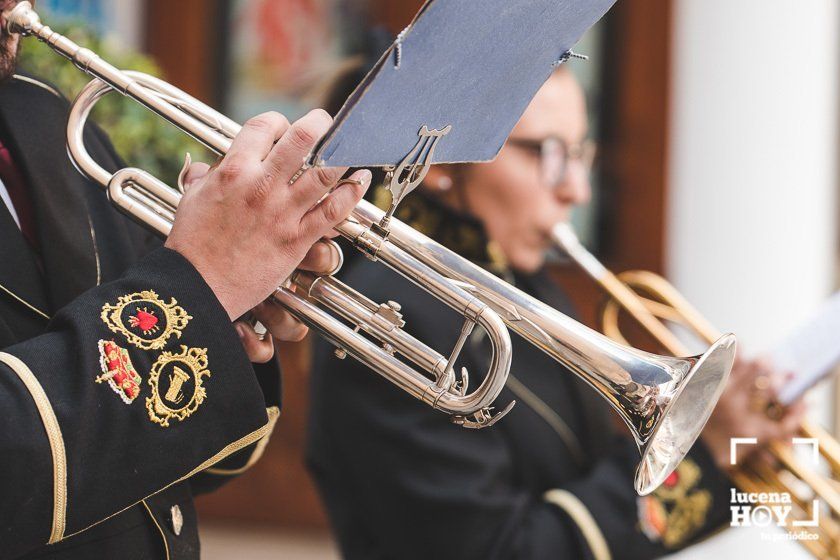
(4, 195)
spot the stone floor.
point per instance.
(226, 542)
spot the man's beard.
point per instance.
(9, 45)
(9, 49)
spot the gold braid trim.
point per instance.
(226, 451)
(55, 438)
(575, 509)
(159, 528)
(24, 302)
(273, 414)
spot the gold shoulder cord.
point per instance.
(579, 513)
(59, 456)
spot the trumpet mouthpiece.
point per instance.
(22, 19)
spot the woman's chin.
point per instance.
(527, 261)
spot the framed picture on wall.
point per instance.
(281, 53)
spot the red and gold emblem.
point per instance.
(145, 319)
(677, 510)
(118, 371)
(176, 382)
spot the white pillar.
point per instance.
(752, 209)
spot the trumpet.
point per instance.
(652, 301)
(664, 401)
(153, 204)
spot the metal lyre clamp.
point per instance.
(411, 171)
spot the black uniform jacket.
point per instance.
(124, 388)
(550, 480)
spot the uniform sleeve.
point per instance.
(268, 374)
(136, 385)
(399, 479)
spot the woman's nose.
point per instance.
(575, 189)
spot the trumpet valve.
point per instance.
(388, 316)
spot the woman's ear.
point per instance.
(438, 179)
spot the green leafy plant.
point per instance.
(143, 139)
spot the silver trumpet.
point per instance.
(644, 388)
(665, 401)
(153, 203)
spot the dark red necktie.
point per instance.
(15, 184)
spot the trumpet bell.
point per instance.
(664, 431)
(642, 387)
(682, 408)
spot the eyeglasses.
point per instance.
(555, 154)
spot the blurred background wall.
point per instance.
(717, 126)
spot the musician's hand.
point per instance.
(322, 258)
(741, 412)
(243, 226)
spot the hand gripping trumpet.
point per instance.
(652, 301)
(153, 203)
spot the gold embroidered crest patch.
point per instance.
(145, 319)
(176, 382)
(677, 510)
(118, 371)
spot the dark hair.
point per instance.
(349, 75)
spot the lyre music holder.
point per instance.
(409, 174)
